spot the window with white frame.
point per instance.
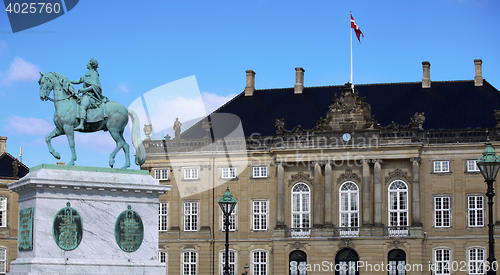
(476, 261)
(301, 206)
(190, 173)
(442, 260)
(441, 166)
(442, 212)
(190, 216)
(161, 174)
(3, 260)
(162, 256)
(476, 211)
(163, 217)
(472, 166)
(232, 220)
(349, 208)
(259, 172)
(259, 215)
(231, 261)
(259, 263)
(229, 172)
(189, 262)
(3, 212)
(398, 204)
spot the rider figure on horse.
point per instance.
(91, 92)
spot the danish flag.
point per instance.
(356, 29)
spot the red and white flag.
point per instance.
(356, 29)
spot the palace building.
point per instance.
(11, 169)
(371, 179)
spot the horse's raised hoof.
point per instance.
(56, 155)
(111, 163)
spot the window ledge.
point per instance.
(260, 178)
(198, 179)
(441, 173)
(229, 179)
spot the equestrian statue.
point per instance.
(90, 112)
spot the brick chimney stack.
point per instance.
(426, 81)
(3, 145)
(250, 88)
(299, 80)
(478, 78)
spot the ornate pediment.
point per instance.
(397, 174)
(300, 177)
(345, 243)
(297, 245)
(396, 244)
(348, 175)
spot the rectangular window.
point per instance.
(3, 212)
(232, 220)
(260, 215)
(472, 166)
(442, 211)
(442, 259)
(190, 173)
(476, 211)
(476, 261)
(3, 260)
(190, 216)
(163, 215)
(259, 172)
(231, 260)
(229, 173)
(162, 256)
(189, 261)
(161, 174)
(259, 263)
(441, 166)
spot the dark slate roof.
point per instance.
(447, 105)
(6, 171)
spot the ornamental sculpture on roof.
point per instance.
(88, 112)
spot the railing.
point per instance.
(396, 231)
(368, 138)
(304, 232)
(347, 232)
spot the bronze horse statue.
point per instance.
(65, 120)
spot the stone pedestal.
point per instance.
(99, 196)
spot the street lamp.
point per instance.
(489, 164)
(227, 204)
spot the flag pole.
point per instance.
(350, 30)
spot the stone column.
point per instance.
(328, 195)
(377, 192)
(366, 199)
(280, 210)
(415, 191)
(318, 198)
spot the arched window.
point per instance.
(3, 260)
(232, 262)
(349, 209)
(398, 208)
(397, 262)
(189, 262)
(298, 263)
(346, 262)
(301, 210)
(259, 262)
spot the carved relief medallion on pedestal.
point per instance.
(129, 230)
(67, 228)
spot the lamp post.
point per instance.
(489, 164)
(227, 204)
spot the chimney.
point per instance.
(299, 80)
(426, 81)
(478, 79)
(3, 145)
(250, 88)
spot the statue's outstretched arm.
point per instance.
(77, 81)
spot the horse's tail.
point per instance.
(140, 151)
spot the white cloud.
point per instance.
(28, 126)
(213, 101)
(123, 88)
(21, 70)
(99, 141)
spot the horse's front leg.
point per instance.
(70, 134)
(55, 133)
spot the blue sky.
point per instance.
(142, 45)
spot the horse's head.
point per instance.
(46, 86)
